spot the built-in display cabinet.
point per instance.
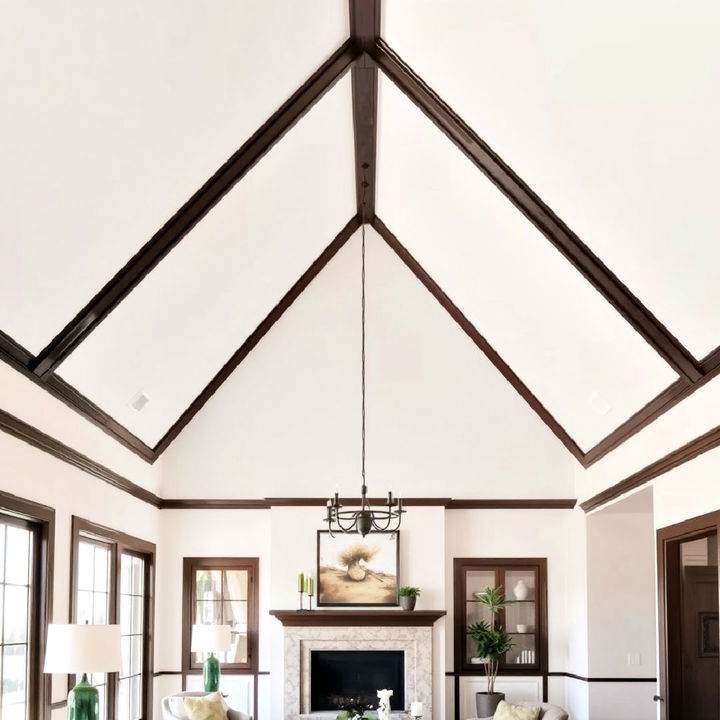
(524, 581)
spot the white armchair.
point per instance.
(173, 708)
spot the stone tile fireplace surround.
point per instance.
(410, 632)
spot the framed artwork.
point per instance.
(709, 646)
(358, 571)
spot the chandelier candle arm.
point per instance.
(364, 520)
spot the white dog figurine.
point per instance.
(384, 705)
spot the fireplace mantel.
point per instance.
(358, 617)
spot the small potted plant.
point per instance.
(354, 709)
(492, 643)
(408, 597)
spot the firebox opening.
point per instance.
(339, 678)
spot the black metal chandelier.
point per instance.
(387, 517)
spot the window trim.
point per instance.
(190, 566)
(119, 542)
(42, 520)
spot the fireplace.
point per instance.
(339, 678)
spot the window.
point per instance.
(112, 581)
(222, 591)
(93, 599)
(26, 538)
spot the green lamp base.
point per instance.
(211, 674)
(83, 701)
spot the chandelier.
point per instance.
(387, 517)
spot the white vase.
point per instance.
(521, 590)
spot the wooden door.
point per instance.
(700, 663)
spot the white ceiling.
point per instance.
(609, 110)
(112, 116)
(440, 419)
(185, 320)
(544, 319)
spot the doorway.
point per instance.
(688, 615)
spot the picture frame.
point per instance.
(708, 646)
(353, 571)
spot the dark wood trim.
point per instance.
(602, 679)
(195, 209)
(542, 216)
(358, 618)
(322, 501)
(58, 705)
(252, 566)
(20, 359)
(447, 503)
(472, 332)
(669, 582)
(38, 439)
(119, 543)
(364, 33)
(513, 504)
(161, 673)
(260, 331)
(689, 451)
(41, 519)
(202, 504)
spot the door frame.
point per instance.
(669, 640)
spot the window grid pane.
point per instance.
(93, 601)
(132, 609)
(221, 597)
(16, 553)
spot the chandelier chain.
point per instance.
(362, 351)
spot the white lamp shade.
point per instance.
(77, 649)
(210, 638)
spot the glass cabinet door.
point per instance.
(523, 581)
(520, 619)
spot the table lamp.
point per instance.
(211, 639)
(79, 650)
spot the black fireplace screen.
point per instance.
(339, 678)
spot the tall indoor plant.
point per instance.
(492, 643)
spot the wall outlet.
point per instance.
(634, 659)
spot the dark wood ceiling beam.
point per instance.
(20, 359)
(666, 400)
(709, 441)
(472, 332)
(364, 32)
(42, 441)
(273, 316)
(530, 204)
(195, 209)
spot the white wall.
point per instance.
(553, 534)
(208, 533)
(34, 475)
(622, 623)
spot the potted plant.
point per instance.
(492, 643)
(408, 597)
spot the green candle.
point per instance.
(301, 582)
(309, 585)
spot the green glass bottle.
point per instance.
(83, 701)
(211, 674)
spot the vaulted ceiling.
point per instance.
(174, 177)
